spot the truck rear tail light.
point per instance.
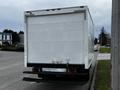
(35, 70)
(72, 70)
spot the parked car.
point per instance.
(96, 48)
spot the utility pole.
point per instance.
(115, 49)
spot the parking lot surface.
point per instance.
(11, 68)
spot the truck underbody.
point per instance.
(59, 71)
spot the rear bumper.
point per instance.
(80, 73)
(72, 70)
(43, 65)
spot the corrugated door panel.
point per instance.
(56, 37)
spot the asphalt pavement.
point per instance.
(11, 68)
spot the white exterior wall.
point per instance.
(0, 39)
(21, 38)
(5, 37)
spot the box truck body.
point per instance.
(61, 38)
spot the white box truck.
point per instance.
(59, 41)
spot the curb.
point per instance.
(93, 77)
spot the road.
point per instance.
(11, 68)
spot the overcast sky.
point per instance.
(12, 11)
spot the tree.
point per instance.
(8, 31)
(103, 37)
(21, 32)
(15, 38)
(95, 41)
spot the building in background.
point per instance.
(21, 36)
(21, 42)
(5, 38)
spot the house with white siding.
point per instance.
(5, 38)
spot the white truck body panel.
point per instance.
(59, 36)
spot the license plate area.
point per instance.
(54, 69)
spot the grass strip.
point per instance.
(103, 81)
(104, 50)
